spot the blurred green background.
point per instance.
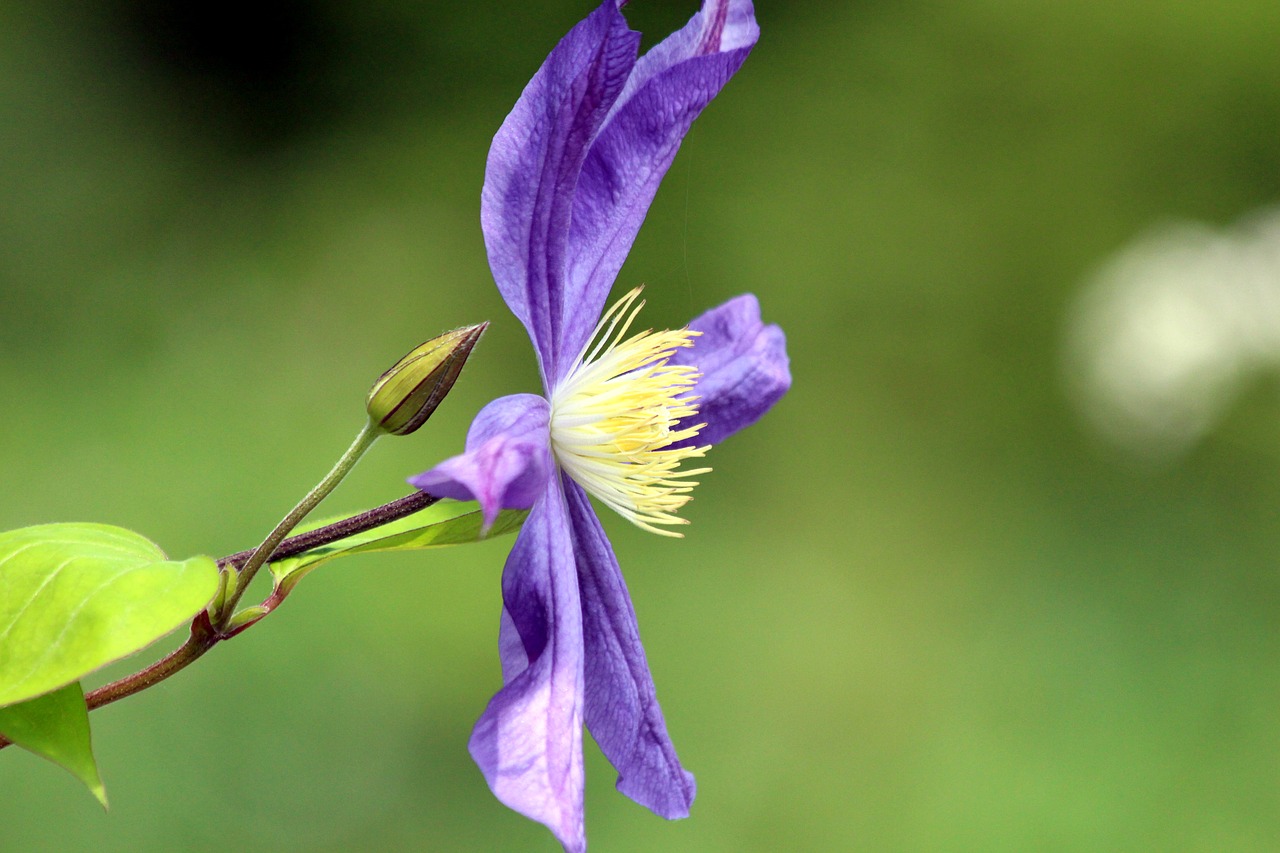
(921, 606)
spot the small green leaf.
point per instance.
(74, 597)
(445, 523)
(56, 726)
(248, 616)
(227, 579)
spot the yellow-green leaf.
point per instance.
(74, 597)
(444, 523)
(56, 726)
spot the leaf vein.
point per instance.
(71, 618)
(17, 617)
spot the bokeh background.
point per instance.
(923, 605)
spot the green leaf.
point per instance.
(56, 726)
(74, 597)
(444, 523)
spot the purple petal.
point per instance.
(621, 707)
(528, 742)
(666, 91)
(510, 648)
(533, 169)
(744, 368)
(507, 462)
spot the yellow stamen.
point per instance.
(614, 415)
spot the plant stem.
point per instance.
(203, 636)
(368, 520)
(363, 441)
(202, 639)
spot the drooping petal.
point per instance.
(621, 707)
(665, 92)
(510, 648)
(507, 462)
(744, 366)
(533, 169)
(528, 742)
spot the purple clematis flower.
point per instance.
(570, 177)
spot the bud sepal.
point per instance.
(406, 395)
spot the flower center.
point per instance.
(615, 415)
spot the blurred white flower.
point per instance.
(1168, 330)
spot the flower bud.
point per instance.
(405, 396)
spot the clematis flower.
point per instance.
(570, 177)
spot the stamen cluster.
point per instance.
(615, 415)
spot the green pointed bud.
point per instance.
(405, 396)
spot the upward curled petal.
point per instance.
(573, 169)
(665, 92)
(507, 461)
(533, 168)
(744, 367)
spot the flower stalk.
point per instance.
(359, 447)
(401, 401)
